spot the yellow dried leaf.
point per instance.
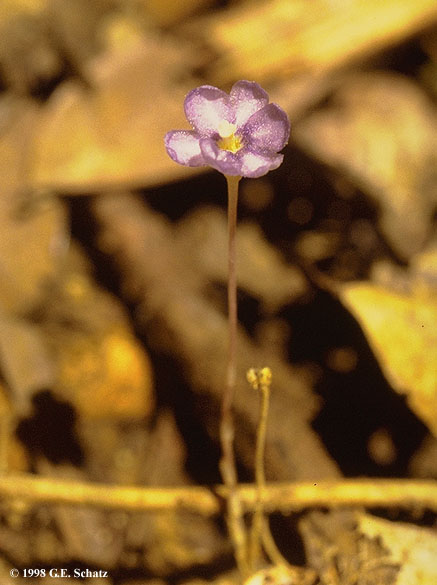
(114, 132)
(167, 12)
(203, 232)
(102, 369)
(281, 574)
(401, 331)
(25, 361)
(380, 130)
(10, 8)
(32, 245)
(413, 548)
(107, 377)
(278, 38)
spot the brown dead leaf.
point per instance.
(171, 541)
(166, 12)
(11, 7)
(424, 268)
(381, 131)
(106, 376)
(279, 38)
(14, 457)
(413, 548)
(340, 554)
(114, 132)
(25, 361)
(29, 58)
(32, 245)
(101, 367)
(262, 272)
(400, 328)
(86, 533)
(281, 574)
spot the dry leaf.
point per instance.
(101, 367)
(401, 330)
(381, 131)
(424, 268)
(340, 554)
(166, 12)
(172, 541)
(261, 270)
(25, 361)
(281, 574)
(114, 132)
(279, 38)
(413, 548)
(27, 53)
(10, 8)
(106, 375)
(32, 245)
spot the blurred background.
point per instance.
(113, 268)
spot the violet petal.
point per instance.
(255, 165)
(247, 97)
(222, 160)
(207, 106)
(268, 129)
(183, 147)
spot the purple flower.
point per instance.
(238, 134)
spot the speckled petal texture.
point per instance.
(268, 129)
(250, 150)
(183, 147)
(205, 107)
(247, 97)
(256, 165)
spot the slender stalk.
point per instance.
(232, 299)
(227, 463)
(260, 531)
(260, 381)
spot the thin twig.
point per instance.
(207, 501)
(227, 463)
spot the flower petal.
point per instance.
(255, 165)
(207, 106)
(222, 160)
(183, 147)
(243, 163)
(268, 129)
(247, 97)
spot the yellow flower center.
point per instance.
(228, 140)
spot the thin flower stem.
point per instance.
(260, 381)
(228, 397)
(227, 463)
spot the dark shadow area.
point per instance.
(356, 403)
(50, 430)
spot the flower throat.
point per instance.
(228, 140)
